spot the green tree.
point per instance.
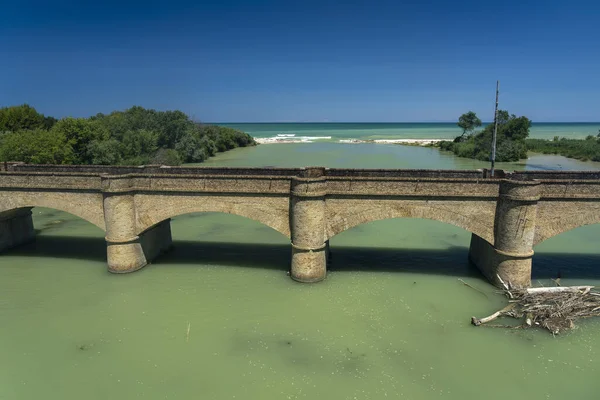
(166, 157)
(173, 126)
(21, 117)
(79, 132)
(467, 122)
(511, 135)
(134, 136)
(105, 152)
(138, 143)
(37, 146)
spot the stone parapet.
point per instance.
(507, 213)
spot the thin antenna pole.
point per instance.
(493, 157)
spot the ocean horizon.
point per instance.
(366, 131)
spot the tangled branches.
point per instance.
(555, 309)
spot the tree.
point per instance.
(194, 147)
(166, 157)
(133, 137)
(139, 143)
(511, 146)
(104, 152)
(468, 122)
(79, 132)
(23, 117)
(36, 146)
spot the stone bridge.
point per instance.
(507, 215)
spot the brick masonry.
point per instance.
(507, 215)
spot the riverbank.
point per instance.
(580, 149)
(136, 136)
(586, 150)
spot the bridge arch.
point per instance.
(270, 211)
(544, 234)
(554, 218)
(87, 206)
(478, 220)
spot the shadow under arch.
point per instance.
(347, 255)
(572, 254)
(225, 239)
(416, 245)
(62, 234)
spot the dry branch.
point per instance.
(555, 309)
(558, 289)
(472, 287)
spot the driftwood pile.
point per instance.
(553, 308)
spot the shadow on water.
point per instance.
(451, 261)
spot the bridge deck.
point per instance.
(290, 172)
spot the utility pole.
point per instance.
(493, 156)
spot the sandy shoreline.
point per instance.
(412, 142)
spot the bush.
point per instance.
(134, 136)
(104, 152)
(510, 140)
(37, 146)
(23, 117)
(166, 157)
(581, 149)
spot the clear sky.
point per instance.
(246, 61)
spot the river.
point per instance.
(217, 317)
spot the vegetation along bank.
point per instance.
(513, 142)
(135, 136)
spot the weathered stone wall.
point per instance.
(152, 169)
(272, 211)
(307, 220)
(156, 240)
(556, 175)
(16, 228)
(124, 248)
(87, 206)
(403, 173)
(567, 204)
(556, 217)
(472, 215)
(308, 205)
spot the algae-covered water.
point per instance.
(217, 318)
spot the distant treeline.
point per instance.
(587, 149)
(135, 136)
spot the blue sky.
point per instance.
(239, 61)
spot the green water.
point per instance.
(390, 321)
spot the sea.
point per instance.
(336, 132)
(218, 317)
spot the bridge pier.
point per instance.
(514, 230)
(16, 228)
(307, 223)
(157, 240)
(124, 250)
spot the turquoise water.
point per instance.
(218, 318)
(390, 131)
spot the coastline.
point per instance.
(291, 139)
